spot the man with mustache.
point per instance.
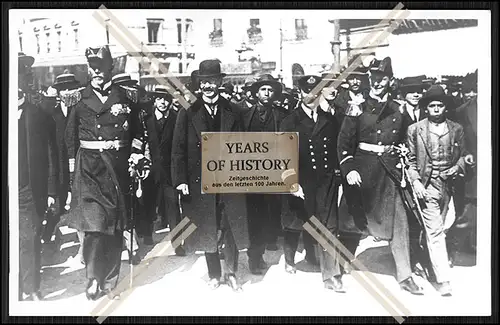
(369, 162)
(102, 133)
(263, 209)
(436, 156)
(216, 216)
(348, 101)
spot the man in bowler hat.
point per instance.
(216, 216)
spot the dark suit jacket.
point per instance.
(160, 142)
(278, 113)
(420, 162)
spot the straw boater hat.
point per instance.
(162, 91)
(123, 79)
(66, 81)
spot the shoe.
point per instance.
(179, 251)
(233, 283)
(419, 271)
(410, 286)
(272, 247)
(136, 260)
(335, 284)
(290, 268)
(255, 267)
(148, 240)
(92, 291)
(444, 289)
(111, 295)
(213, 283)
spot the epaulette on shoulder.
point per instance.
(131, 93)
(72, 98)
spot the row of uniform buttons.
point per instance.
(312, 153)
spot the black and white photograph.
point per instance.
(114, 211)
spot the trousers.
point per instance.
(102, 255)
(29, 244)
(433, 219)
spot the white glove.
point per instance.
(299, 193)
(353, 178)
(68, 201)
(183, 188)
(50, 201)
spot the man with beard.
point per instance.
(160, 123)
(368, 161)
(263, 209)
(216, 216)
(32, 177)
(103, 131)
(436, 155)
(318, 184)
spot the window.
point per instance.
(37, 43)
(216, 34)
(154, 26)
(300, 29)
(59, 41)
(254, 32)
(189, 29)
(21, 42)
(75, 34)
(48, 41)
(179, 31)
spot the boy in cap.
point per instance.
(436, 156)
(318, 184)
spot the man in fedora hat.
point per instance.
(369, 163)
(437, 156)
(318, 184)
(263, 209)
(103, 131)
(32, 177)
(56, 104)
(216, 216)
(160, 123)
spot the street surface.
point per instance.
(173, 285)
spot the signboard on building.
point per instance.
(249, 162)
(237, 68)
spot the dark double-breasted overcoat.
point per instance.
(383, 124)
(200, 208)
(317, 164)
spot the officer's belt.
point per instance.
(374, 147)
(103, 145)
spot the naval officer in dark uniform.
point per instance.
(103, 132)
(369, 162)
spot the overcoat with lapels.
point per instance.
(101, 180)
(200, 208)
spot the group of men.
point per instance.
(395, 166)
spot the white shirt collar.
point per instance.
(353, 95)
(310, 112)
(207, 100)
(159, 115)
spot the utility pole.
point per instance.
(336, 45)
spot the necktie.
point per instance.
(211, 109)
(262, 113)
